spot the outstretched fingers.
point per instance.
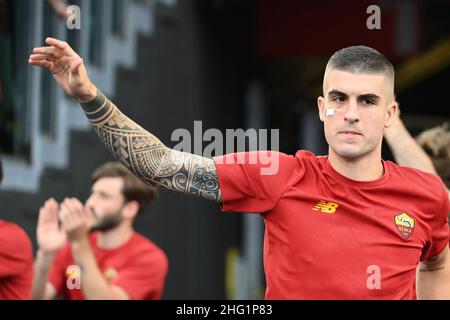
(43, 58)
(61, 45)
(49, 211)
(40, 57)
(41, 63)
(53, 52)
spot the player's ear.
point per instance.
(131, 209)
(321, 107)
(391, 114)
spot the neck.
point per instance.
(116, 237)
(365, 168)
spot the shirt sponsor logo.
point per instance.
(405, 225)
(326, 206)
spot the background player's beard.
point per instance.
(108, 222)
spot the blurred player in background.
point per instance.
(16, 260)
(94, 252)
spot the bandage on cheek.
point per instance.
(330, 112)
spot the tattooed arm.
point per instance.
(433, 277)
(148, 157)
(134, 147)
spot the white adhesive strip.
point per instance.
(330, 112)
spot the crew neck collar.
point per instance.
(354, 183)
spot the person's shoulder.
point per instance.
(146, 253)
(13, 232)
(295, 166)
(417, 176)
(15, 236)
(258, 157)
(428, 185)
(305, 158)
(301, 153)
(305, 154)
(147, 246)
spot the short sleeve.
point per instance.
(144, 277)
(16, 252)
(439, 228)
(254, 181)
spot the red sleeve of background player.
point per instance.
(144, 276)
(57, 275)
(439, 228)
(16, 253)
(254, 181)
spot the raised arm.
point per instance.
(405, 149)
(50, 239)
(134, 147)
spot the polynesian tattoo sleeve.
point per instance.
(147, 157)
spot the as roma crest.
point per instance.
(404, 224)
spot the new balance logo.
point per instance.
(326, 206)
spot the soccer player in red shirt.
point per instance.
(344, 226)
(112, 261)
(16, 260)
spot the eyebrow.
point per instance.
(101, 192)
(335, 92)
(367, 96)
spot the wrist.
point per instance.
(92, 106)
(79, 242)
(46, 254)
(90, 95)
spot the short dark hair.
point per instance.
(361, 59)
(133, 188)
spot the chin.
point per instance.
(348, 153)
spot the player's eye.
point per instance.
(368, 102)
(339, 99)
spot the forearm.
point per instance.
(147, 157)
(405, 149)
(42, 266)
(137, 149)
(93, 284)
(433, 283)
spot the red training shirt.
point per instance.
(16, 263)
(139, 267)
(329, 237)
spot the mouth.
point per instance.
(350, 133)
